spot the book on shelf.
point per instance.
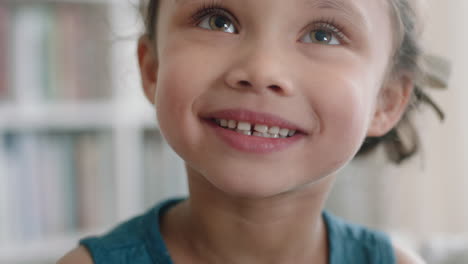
(4, 33)
(18, 156)
(59, 51)
(56, 179)
(54, 183)
(95, 183)
(27, 45)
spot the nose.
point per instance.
(260, 69)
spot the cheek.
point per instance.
(184, 74)
(347, 118)
(341, 89)
(171, 100)
(182, 80)
(174, 99)
(344, 111)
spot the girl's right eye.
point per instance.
(218, 22)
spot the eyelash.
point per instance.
(215, 8)
(330, 25)
(212, 8)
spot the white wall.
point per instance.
(447, 145)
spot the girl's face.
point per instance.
(315, 66)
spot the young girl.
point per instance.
(265, 100)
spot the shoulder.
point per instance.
(405, 255)
(122, 238)
(353, 241)
(78, 255)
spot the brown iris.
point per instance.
(220, 23)
(321, 36)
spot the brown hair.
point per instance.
(149, 11)
(402, 141)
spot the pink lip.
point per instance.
(253, 144)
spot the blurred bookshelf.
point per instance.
(80, 148)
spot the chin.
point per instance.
(251, 191)
(254, 185)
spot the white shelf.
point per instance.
(74, 116)
(56, 116)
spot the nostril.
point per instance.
(244, 83)
(275, 88)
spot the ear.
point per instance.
(148, 64)
(391, 104)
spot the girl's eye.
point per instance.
(322, 37)
(327, 35)
(218, 23)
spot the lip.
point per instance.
(252, 144)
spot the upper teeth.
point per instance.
(258, 129)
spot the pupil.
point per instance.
(220, 22)
(321, 36)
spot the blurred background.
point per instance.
(80, 148)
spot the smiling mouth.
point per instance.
(255, 130)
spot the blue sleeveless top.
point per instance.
(139, 241)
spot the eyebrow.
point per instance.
(181, 1)
(345, 7)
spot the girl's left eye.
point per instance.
(326, 35)
(218, 23)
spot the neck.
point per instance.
(215, 228)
